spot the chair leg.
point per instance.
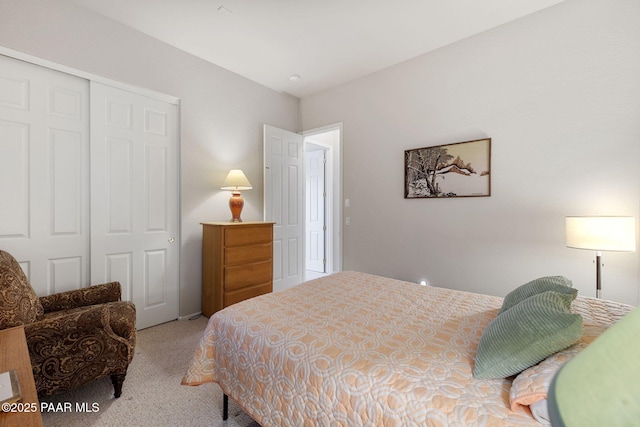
(117, 380)
(225, 407)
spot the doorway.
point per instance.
(322, 201)
(315, 229)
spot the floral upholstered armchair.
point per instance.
(73, 337)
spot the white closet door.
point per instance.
(134, 207)
(44, 175)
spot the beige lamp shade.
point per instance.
(601, 233)
(236, 180)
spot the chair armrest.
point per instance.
(98, 294)
(122, 319)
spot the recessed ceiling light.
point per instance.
(294, 77)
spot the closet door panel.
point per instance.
(14, 178)
(44, 173)
(119, 186)
(119, 267)
(65, 274)
(134, 213)
(66, 183)
(156, 182)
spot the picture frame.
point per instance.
(461, 169)
(9, 388)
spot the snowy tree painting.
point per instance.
(454, 170)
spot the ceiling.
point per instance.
(325, 42)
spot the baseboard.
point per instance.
(190, 316)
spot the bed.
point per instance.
(356, 349)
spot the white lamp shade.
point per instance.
(601, 233)
(236, 180)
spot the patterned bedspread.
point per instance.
(354, 349)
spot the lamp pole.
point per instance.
(598, 275)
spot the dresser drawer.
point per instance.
(236, 236)
(242, 276)
(247, 254)
(246, 293)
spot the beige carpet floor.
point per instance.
(152, 394)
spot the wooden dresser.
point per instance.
(237, 263)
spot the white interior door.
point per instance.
(134, 208)
(329, 139)
(283, 204)
(44, 174)
(315, 196)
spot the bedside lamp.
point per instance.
(601, 233)
(235, 182)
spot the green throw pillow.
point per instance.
(529, 332)
(543, 284)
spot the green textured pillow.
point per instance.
(529, 332)
(543, 284)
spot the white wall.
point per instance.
(559, 94)
(221, 113)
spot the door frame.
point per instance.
(334, 206)
(91, 77)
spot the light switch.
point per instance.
(347, 220)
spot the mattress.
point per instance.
(356, 349)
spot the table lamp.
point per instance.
(601, 233)
(601, 385)
(235, 182)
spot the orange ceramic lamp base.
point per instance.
(236, 203)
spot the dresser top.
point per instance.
(237, 223)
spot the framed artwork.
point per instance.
(462, 169)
